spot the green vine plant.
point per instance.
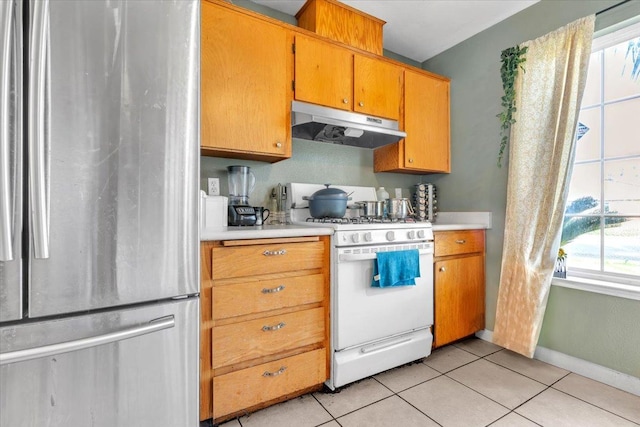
(511, 59)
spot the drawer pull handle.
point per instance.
(280, 325)
(273, 290)
(461, 242)
(273, 253)
(276, 373)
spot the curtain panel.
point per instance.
(541, 152)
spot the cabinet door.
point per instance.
(426, 121)
(459, 298)
(323, 73)
(246, 73)
(377, 87)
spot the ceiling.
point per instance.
(420, 29)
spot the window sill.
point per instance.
(599, 286)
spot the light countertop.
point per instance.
(445, 221)
(263, 232)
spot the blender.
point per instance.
(241, 183)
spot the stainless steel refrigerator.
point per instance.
(99, 169)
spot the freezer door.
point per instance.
(136, 367)
(113, 153)
(10, 161)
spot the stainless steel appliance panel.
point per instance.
(118, 376)
(113, 153)
(10, 161)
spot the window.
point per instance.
(601, 230)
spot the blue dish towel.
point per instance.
(399, 268)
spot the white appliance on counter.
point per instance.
(372, 329)
(214, 212)
(99, 245)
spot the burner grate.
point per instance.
(362, 220)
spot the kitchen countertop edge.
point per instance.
(452, 227)
(262, 232)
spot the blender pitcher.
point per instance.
(241, 183)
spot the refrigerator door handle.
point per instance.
(155, 325)
(38, 135)
(6, 217)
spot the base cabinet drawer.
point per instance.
(458, 242)
(242, 261)
(242, 389)
(249, 296)
(252, 339)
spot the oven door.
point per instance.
(364, 314)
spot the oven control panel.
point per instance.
(375, 237)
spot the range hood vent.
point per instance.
(322, 124)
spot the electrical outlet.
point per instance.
(214, 186)
(398, 193)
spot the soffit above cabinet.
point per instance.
(420, 30)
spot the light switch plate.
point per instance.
(214, 186)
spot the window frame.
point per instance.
(599, 281)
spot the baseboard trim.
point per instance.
(582, 367)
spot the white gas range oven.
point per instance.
(372, 329)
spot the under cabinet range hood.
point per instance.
(323, 124)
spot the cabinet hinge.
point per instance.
(293, 48)
(293, 85)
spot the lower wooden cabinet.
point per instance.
(264, 322)
(266, 382)
(459, 285)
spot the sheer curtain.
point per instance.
(541, 152)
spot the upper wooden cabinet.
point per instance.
(246, 73)
(323, 73)
(334, 76)
(339, 22)
(426, 149)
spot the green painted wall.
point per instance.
(593, 327)
(313, 162)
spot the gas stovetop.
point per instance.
(352, 221)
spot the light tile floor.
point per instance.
(468, 384)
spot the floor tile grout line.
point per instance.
(325, 409)
(512, 412)
(594, 405)
(464, 364)
(476, 391)
(362, 407)
(414, 407)
(526, 376)
(415, 385)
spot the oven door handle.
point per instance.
(372, 255)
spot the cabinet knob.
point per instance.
(279, 144)
(442, 269)
(345, 101)
(410, 160)
(461, 241)
(361, 104)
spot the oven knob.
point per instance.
(355, 238)
(368, 237)
(391, 236)
(411, 235)
(421, 234)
